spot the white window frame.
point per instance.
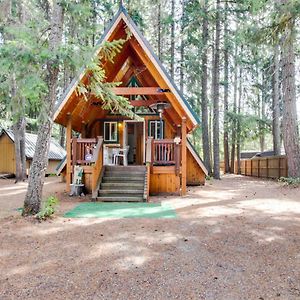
(156, 122)
(110, 133)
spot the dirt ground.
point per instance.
(238, 238)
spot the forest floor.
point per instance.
(237, 238)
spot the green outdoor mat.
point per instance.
(121, 210)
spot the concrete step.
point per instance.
(123, 185)
(120, 199)
(124, 179)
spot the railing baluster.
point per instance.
(164, 152)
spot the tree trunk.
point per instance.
(172, 65)
(290, 123)
(204, 98)
(216, 95)
(16, 131)
(159, 31)
(19, 141)
(18, 109)
(226, 90)
(238, 127)
(62, 134)
(275, 103)
(233, 132)
(182, 44)
(40, 159)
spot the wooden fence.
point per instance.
(265, 167)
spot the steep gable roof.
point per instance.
(122, 15)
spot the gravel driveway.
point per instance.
(238, 238)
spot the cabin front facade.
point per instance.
(125, 159)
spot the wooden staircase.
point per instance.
(122, 184)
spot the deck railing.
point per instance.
(163, 152)
(83, 151)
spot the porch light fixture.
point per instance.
(159, 107)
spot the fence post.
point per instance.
(251, 172)
(267, 162)
(279, 171)
(258, 168)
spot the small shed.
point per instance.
(7, 152)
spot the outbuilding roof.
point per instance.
(56, 152)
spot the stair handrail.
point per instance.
(149, 165)
(97, 170)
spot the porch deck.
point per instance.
(160, 172)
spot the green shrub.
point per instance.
(290, 181)
(207, 177)
(48, 209)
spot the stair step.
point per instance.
(125, 168)
(120, 179)
(123, 185)
(127, 174)
(120, 199)
(123, 192)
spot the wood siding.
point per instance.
(7, 155)
(164, 180)
(195, 175)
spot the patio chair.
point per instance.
(122, 153)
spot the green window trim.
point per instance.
(156, 122)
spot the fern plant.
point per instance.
(48, 209)
(290, 181)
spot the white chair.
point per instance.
(122, 153)
(115, 152)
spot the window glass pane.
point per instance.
(106, 131)
(158, 130)
(113, 132)
(152, 129)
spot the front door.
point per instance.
(134, 138)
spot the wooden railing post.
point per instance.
(152, 153)
(74, 151)
(183, 157)
(97, 168)
(149, 165)
(177, 159)
(69, 153)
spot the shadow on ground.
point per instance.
(233, 239)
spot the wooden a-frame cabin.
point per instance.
(160, 157)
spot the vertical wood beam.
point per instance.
(69, 150)
(183, 158)
(83, 130)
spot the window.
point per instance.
(110, 131)
(155, 130)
